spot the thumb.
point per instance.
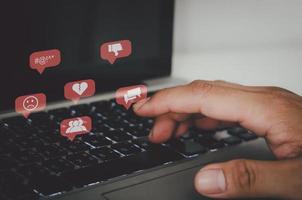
(250, 179)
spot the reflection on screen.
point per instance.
(44, 48)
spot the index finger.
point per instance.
(248, 108)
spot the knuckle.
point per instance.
(243, 175)
(278, 90)
(220, 82)
(279, 101)
(200, 87)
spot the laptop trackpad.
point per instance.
(177, 186)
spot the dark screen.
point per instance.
(77, 29)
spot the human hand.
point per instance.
(270, 112)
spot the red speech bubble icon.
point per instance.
(76, 90)
(44, 59)
(30, 103)
(126, 96)
(70, 128)
(113, 50)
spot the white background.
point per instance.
(255, 42)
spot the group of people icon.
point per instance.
(76, 126)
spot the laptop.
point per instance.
(115, 160)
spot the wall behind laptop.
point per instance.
(255, 42)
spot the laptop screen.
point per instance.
(45, 45)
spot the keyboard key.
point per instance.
(33, 170)
(59, 165)
(27, 142)
(82, 159)
(247, 136)
(73, 146)
(148, 122)
(7, 162)
(146, 145)
(137, 131)
(13, 186)
(232, 140)
(125, 114)
(115, 123)
(27, 156)
(49, 125)
(126, 148)
(29, 195)
(121, 166)
(187, 147)
(82, 109)
(101, 107)
(42, 181)
(187, 136)
(50, 151)
(210, 142)
(52, 137)
(104, 153)
(100, 127)
(96, 140)
(49, 184)
(60, 114)
(28, 132)
(9, 146)
(39, 117)
(18, 121)
(117, 135)
(236, 130)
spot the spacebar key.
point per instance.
(121, 166)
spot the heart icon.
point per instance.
(80, 88)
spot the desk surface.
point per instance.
(276, 66)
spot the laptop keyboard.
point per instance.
(35, 160)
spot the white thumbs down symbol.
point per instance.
(132, 94)
(115, 48)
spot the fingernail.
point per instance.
(211, 181)
(139, 104)
(151, 133)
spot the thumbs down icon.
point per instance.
(126, 96)
(111, 51)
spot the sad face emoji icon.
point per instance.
(30, 103)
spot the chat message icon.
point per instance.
(76, 90)
(28, 104)
(126, 96)
(44, 59)
(73, 127)
(113, 50)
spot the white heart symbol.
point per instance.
(80, 88)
